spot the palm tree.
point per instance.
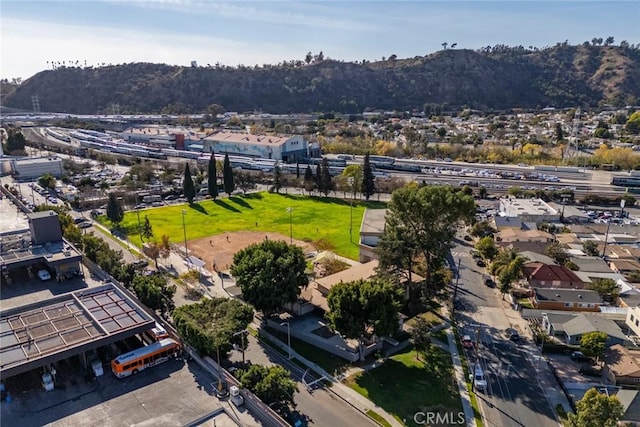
(508, 267)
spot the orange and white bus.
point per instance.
(144, 357)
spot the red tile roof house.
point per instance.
(552, 276)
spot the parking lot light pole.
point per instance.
(184, 230)
(290, 210)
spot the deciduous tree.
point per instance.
(270, 274)
(606, 288)
(420, 335)
(155, 292)
(487, 248)
(364, 307)
(209, 325)
(147, 231)
(596, 409)
(273, 385)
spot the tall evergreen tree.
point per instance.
(318, 177)
(188, 188)
(147, 229)
(212, 183)
(227, 176)
(326, 183)
(277, 179)
(114, 210)
(309, 181)
(368, 180)
(297, 170)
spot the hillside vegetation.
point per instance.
(497, 77)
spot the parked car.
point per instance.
(579, 356)
(514, 336)
(480, 263)
(467, 238)
(85, 224)
(478, 378)
(488, 282)
(467, 342)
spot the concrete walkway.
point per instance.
(460, 379)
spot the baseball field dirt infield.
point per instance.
(218, 250)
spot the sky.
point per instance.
(34, 34)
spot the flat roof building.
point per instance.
(285, 148)
(30, 168)
(528, 210)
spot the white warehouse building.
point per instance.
(30, 168)
(285, 148)
(528, 210)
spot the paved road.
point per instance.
(514, 396)
(321, 407)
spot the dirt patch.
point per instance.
(218, 250)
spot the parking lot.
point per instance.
(174, 393)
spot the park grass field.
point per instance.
(321, 221)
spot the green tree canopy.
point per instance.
(556, 251)
(270, 274)
(188, 187)
(15, 140)
(309, 180)
(421, 225)
(212, 179)
(209, 325)
(606, 288)
(277, 179)
(596, 409)
(115, 213)
(590, 247)
(633, 123)
(594, 343)
(147, 230)
(364, 307)
(508, 266)
(482, 229)
(47, 181)
(273, 385)
(154, 292)
(326, 182)
(487, 248)
(420, 335)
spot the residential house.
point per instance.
(510, 235)
(633, 320)
(551, 276)
(537, 247)
(532, 256)
(506, 222)
(624, 266)
(624, 252)
(566, 299)
(571, 327)
(622, 366)
(630, 400)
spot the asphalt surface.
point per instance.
(514, 396)
(318, 406)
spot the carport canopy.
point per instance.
(47, 331)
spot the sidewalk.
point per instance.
(469, 416)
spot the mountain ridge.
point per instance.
(501, 77)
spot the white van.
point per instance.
(478, 379)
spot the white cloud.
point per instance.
(27, 46)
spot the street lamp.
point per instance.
(290, 210)
(288, 336)
(241, 333)
(350, 180)
(184, 230)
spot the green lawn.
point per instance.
(331, 363)
(313, 219)
(403, 385)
